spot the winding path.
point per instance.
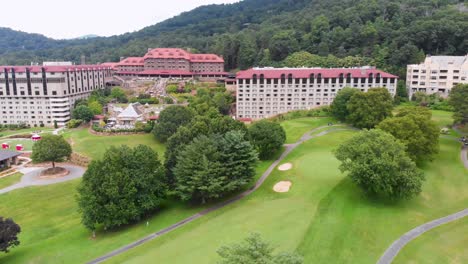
(289, 148)
(31, 178)
(401, 242)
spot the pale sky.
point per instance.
(69, 19)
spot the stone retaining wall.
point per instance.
(79, 159)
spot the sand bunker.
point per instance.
(285, 167)
(282, 186)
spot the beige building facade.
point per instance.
(437, 74)
(38, 95)
(266, 92)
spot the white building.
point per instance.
(266, 92)
(43, 94)
(437, 74)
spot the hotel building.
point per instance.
(38, 95)
(172, 62)
(437, 74)
(266, 92)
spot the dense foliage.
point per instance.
(255, 250)
(459, 101)
(170, 119)
(267, 137)
(83, 112)
(52, 148)
(9, 231)
(121, 187)
(339, 106)
(387, 33)
(368, 109)
(211, 167)
(377, 163)
(414, 128)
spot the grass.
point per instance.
(10, 180)
(445, 244)
(325, 216)
(51, 228)
(7, 133)
(295, 128)
(94, 146)
(27, 143)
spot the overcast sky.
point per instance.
(69, 19)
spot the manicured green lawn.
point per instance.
(27, 143)
(445, 244)
(94, 146)
(295, 128)
(52, 232)
(24, 131)
(10, 180)
(324, 216)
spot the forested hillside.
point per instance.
(386, 33)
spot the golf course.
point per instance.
(323, 216)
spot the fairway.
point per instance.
(94, 146)
(295, 128)
(445, 244)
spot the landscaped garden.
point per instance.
(324, 216)
(6, 181)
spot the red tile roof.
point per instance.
(175, 53)
(165, 72)
(275, 73)
(53, 68)
(132, 61)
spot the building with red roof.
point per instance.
(171, 61)
(38, 95)
(266, 92)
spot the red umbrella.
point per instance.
(35, 137)
(5, 146)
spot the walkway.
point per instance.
(289, 147)
(31, 177)
(398, 244)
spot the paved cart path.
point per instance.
(398, 244)
(289, 147)
(31, 177)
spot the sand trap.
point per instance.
(285, 167)
(282, 186)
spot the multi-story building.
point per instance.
(437, 74)
(266, 92)
(171, 62)
(38, 95)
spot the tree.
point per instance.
(95, 107)
(55, 124)
(200, 125)
(416, 131)
(267, 137)
(119, 94)
(414, 110)
(378, 164)
(211, 167)
(9, 231)
(459, 101)
(170, 119)
(52, 148)
(255, 250)
(83, 113)
(339, 107)
(366, 110)
(121, 187)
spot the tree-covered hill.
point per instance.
(387, 33)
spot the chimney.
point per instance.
(149, 49)
(122, 58)
(83, 60)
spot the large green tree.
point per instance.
(368, 109)
(268, 137)
(459, 101)
(376, 162)
(211, 167)
(9, 231)
(121, 187)
(416, 131)
(51, 148)
(82, 112)
(170, 119)
(255, 250)
(200, 125)
(339, 107)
